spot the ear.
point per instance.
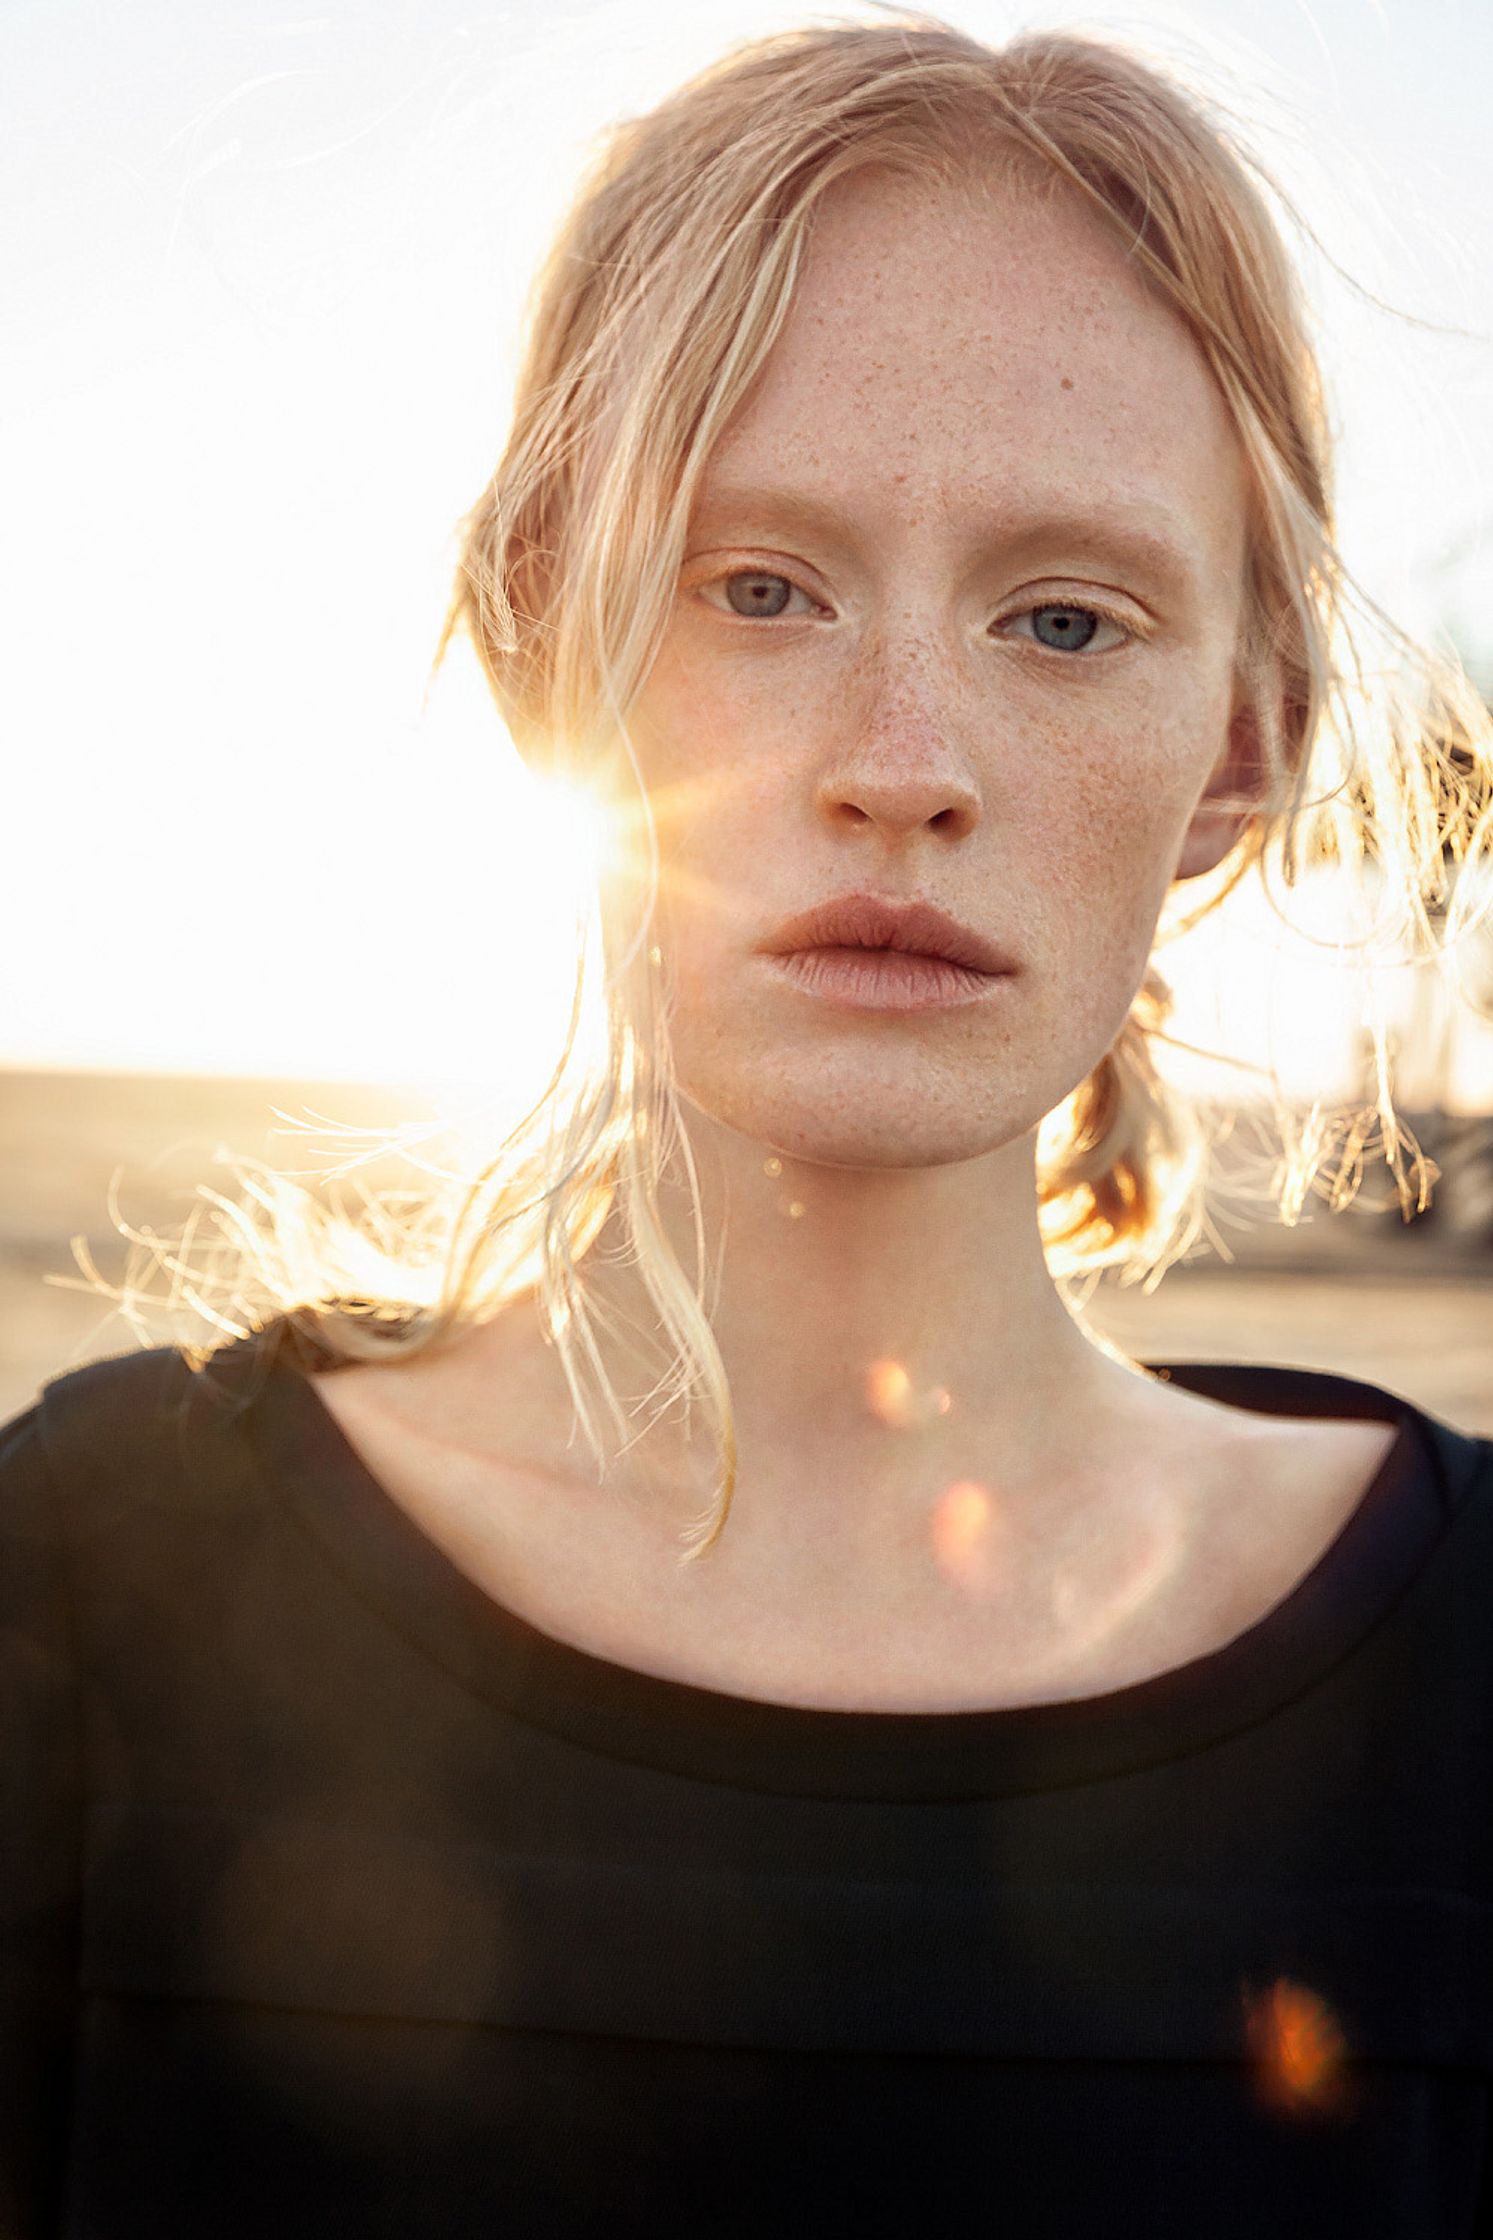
(1213, 830)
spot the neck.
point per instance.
(885, 1332)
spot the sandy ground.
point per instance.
(1411, 1310)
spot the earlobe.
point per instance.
(1214, 829)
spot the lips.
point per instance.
(866, 921)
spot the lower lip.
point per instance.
(885, 979)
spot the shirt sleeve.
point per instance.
(41, 1788)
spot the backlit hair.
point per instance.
(659, 302)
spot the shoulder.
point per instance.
(1337, 1408)
(122, 1435)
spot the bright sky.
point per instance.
(262, 304)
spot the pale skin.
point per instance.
(977, 412)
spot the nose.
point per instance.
(897, 761)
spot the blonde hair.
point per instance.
(660, 300)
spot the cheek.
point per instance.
(1098, 821)
(1124, 782)
(718, 756)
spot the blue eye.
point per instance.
(756, 591)
(756, 594)
(1069, 626)
(1064, 627)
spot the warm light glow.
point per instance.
(1298, 2048)
(889, 1392)
(968, 1537)
(573, 839)
(891, 1396)
(495, 1017)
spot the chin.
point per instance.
(839, 1128)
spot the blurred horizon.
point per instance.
(1358, 1292)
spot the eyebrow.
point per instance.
(1147, 537)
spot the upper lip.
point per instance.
(872, 921)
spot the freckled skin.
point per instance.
(948, 362)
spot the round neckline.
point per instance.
(679, 1727)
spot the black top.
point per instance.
(336, 1898)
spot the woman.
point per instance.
(1048, 1788)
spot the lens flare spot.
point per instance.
(889, 1393)
(1297, 2046)
(968, 1536)
(895, 1401)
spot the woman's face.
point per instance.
(957, 623)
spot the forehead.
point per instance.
(954, 349)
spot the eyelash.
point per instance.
(1077, 606)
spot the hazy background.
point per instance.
(264, 280)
